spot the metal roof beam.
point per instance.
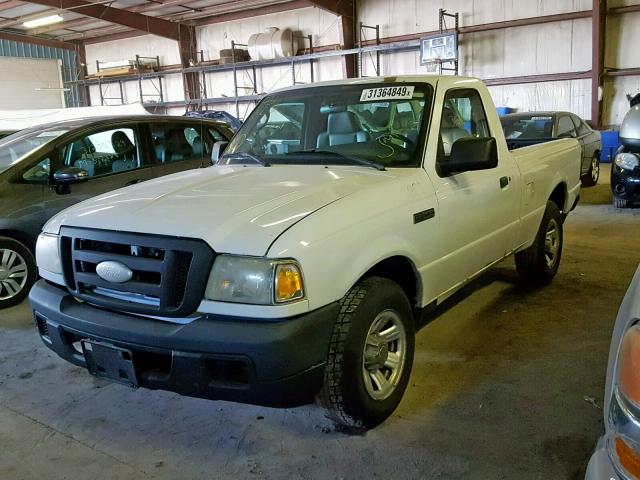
(78, 22)
(214, 14)
(10, 4)
(342, 8)
(136, 21)
(37, 41)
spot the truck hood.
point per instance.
(234, 209)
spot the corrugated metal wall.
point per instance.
(10, 48)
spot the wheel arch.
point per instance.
(21, 237)
(399, 269)
(559, 196)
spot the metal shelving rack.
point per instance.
(253, 65)
(119, 79)
(361, 38)
(443, 14)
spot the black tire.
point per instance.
(345, 395)
(621, 202)
(14, 254)
(593, 175)
(533, 263)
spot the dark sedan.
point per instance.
(523, 129)
(48, 168)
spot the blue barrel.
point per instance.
(502, 111)
(610, 143)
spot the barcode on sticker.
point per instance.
(387, 93)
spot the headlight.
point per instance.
(48, 253)
(628, 384)
(254, 280)
(627, 161)
(628, 363)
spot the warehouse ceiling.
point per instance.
(95, 20)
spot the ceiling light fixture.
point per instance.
(42, 21)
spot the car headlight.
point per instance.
(627, 449)
(252, 280)
(48, 253)
(627, 161)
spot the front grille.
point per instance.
(169, 275)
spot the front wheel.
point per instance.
(370, 355)
(17, 272)
(538, 264)
(593, 175)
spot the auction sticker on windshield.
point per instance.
(387, 93)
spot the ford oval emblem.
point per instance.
(114, 272)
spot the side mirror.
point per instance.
(469, 154)
(69, 176)
(217, 151)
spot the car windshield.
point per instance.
(15, 147)
(527, 127)
(377, 125)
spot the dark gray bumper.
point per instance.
(600, 466)
(276, 363)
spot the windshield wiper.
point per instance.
(358, 160)
(245, 155)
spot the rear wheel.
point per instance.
(593, 175)
(538, 264)
(17, 272)
(370, 355)
(621, 202)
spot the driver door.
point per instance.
(478, 209)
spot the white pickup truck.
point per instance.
(293, 269)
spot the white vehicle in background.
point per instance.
(292, 269)
(12, 121)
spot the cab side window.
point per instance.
(104, 153)
(581, 127)
(566, 129)
(179, 142)
(463, 116)
(39, 172)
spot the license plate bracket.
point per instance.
(108, 361)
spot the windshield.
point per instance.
(527, 127)
(379, 125)
(15, 147)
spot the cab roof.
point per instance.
(446, 81)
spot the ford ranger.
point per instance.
(293, 269)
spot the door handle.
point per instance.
(504, 181)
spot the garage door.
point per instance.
(30, 83)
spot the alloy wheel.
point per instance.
(13, 273)
(384, 355)
(551, 243)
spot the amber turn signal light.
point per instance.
(288, 283)
(628, 457)
(629, 366)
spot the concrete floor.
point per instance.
(497, 391)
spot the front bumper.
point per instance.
(273, 363)
(600, 466)
(625, 184)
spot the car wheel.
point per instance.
(593, 175)
(17, 272)
(538, 264)
(370, 355)
(621, 202)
